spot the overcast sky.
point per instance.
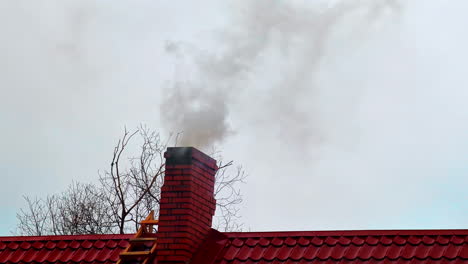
(346, 114)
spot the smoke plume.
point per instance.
(197, 102)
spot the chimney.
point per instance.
(187, 204)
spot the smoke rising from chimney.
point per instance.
(199, 105)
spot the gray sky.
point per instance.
(345, 114)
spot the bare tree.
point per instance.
(132, 191)
(78, 210)
(228, 196)
(125, 194)
(33, 219)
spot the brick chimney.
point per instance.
(187, 204)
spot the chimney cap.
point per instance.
(186, 156)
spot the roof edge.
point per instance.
(391, 232)
(377, 232)
(66, 237)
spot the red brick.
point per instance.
(186, 207)
(172, 172)
(172, 258)
(176, 188)
(177, 167)
(175, 241)
(163, 252)
(177, 194)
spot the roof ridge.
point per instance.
(376, 232)
(66, 237)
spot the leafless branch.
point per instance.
(125, 194)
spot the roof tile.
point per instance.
(422, 252)
(91, 255)
(452, 251)
(311, 252)
(237, 242)
(25, 245)
(331, 241)
(345, 241)
(304, 242)
(16, 256)
(428, 240)
(271, 253)
(351, 252)
(41, 256)
(394, 252)
(464, 253)
(351, 247)
(386, 240)
(278, 241)
(123, 243)
(357, 241)
(458, 240)
(297, 252)
(380, 251)
(408, 251)
(75, 244)
(243, 253)
(322, 247)
(290, 241)
(5, 255)
(437, 251)
(444, 240)
(99, 244)
(414, 240)
(114, 256)
(104, 254)
(231, 253)
(265, 242)
(29, 256)
(325, 252)
(62, 244)
(86, 244)
(317, 241)
(365, 251)
(78, 255)
(251, 242)
(50, 245)
(37, 245)
(257, 252)
(399, 240)
(66, 255)
(54, 255)
(13, 245)
(338, 252)
(372, 240)
(98, 249)
(283, 253)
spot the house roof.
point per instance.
(62, 249)
(375, 246)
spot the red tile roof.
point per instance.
(62, 249)
(404, 246)
(386, 246)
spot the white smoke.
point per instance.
(297, 35)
